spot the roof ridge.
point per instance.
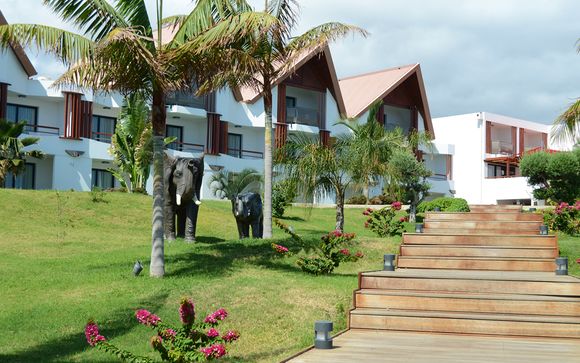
(412, 65)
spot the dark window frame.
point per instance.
(180, 139)
(240, 150)
(98, 118)
(295, 104)
(95, 178)
(18, 106)
(13, 178)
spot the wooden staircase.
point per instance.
(484, 272)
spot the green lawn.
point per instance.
(66, 259)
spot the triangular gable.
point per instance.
(317, 57)
(19, 53)
(399, 85)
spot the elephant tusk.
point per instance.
(177, 199)
(195, 200)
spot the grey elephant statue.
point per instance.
(182, 179)
(247, 209)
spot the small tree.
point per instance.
(226, 185)
(554, 177)
(12, 155)
(411, 175)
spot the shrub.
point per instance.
(382, 199)
(288, 230)
(446, 204)
(384, 221)
(283, 193)
(357, 199)
(333, 250)
(97, 195)
(192, 342)
(565, 218)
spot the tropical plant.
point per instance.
(411, 175)
(121, 52)
(554, 177)
(132, 144)
(332, 250)
(445, 204)
(226, 185)
(283, 194)
(262, 58)
(12, 153)
(191, 342)
(566, 127)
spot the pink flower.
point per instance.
(396, 205)
(169, 333)
(402, 219)
(212, 333)
(345, 252)
(219, 314)
(156, 341)
(92, 334)
(366, 213)
(146, 318)
(215, 351)
(359, 254)
(187, 311)
(231, 335)
(337, 233)
(280, 249)
(578, 261)
(366, 224)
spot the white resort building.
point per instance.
(474, 157)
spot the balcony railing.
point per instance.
(186, 147)
(302, 116)
(502, 147)
(186, 99)
(438, 177)
(101, 136)
(40, 129)
(245, 154)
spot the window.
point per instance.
(397, 117)
(24, 180)
(235, 145)
(103, 128)
(176, 131)
(16, 113)
(102, 179)
(499, 170)
(290, 102)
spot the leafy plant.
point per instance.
(446, 204)
(12, 155)
(97, 195)
(384, 222)
(564, 218)
(288, 229)
(226, 185)
(383, 199)
(332, 251)
(283, 194)
(192, 342)
(411, 175)
(357, 200)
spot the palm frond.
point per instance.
(287, 11)
(226, 185)
(566, 127)
(67, 46)
(135, 14)
(174, 21)
(95, 17)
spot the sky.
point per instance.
(513, 57)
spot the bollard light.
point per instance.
(562, 266)
(322, 339)
(389, 262)
(419, 228)
(532, 209)
(137, 268)
(544, 230)
(437, 209)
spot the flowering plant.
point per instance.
(287, 229)
(564, 218)
(384, 222)
(333, 250)
(281, 249)
(192, 342)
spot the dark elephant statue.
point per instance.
(247, 209)
(182, 178)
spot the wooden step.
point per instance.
(477, 263)
(509, 225)
(481, 231)
(485, 282)
(466, 323)
(467, 302)
(478, 251)
(480, 216)
(479, 240)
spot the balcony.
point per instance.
(186, 99)
(40, 129)
(502, 147)
(102, 136)
(303, 116)
(186, 147)
(245, 154)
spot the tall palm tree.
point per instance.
(119, 51)
(12, 155)
(261, 58)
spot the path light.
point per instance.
(562, 266)
(389, 263)
(532, 209)
(137, 268)
(322, 339)
(544, 230)
(419, 228)
(437, 209)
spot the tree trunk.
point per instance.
(157, 266)
(366, 191)
(413, 210)
(339, 212)
(267, 160)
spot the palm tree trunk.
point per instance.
(339, 211)
(157, 266)
(413, 210)
(267, 160)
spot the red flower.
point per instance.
(345, 252)
(402, 219)
(367, 224)
(337, 233)
(279, 248)
(212, 333)
(187, 311)
(92, 334)
(231, 335)
(359, 254)
(146, 318)
(396, 205)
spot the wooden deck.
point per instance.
(369, 346)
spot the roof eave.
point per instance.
(19, 53)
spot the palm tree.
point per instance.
(567, 125)
(226, 185)
(121, 52)
(261, 59)
(12, 155)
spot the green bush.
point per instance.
(382, 199)
(446, 204)
(333, 250)
(357, 199)
(384, 221)
(565, 218)
(283, 193)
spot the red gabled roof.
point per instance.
(19, 53)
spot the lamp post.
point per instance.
(322, 339)
(137, 268)
(544, 230)
(532, 210)
(389, 262)
(562, 266)
(419, 228)
(437, 209)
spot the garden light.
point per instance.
(322, 339)
(544, 230)
(437, 209)
(562, 266)
(419, 228)
(389, 262)
(532, 209)
(137, 268)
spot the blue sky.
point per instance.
(513, 57)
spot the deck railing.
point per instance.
(41, 129)
(303, 116)
(186, 147)
(245, 154)
(186, 99)
(101, 136)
